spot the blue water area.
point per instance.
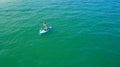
(85, 33)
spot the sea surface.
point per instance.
(85, 33)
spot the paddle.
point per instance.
(41, 28)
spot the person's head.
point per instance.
(44, 23)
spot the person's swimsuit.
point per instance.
(47, 28)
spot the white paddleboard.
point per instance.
(45, 31)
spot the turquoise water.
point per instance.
(85, 33)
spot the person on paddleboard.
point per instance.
(45, 26)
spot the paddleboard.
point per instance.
(45, 31)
